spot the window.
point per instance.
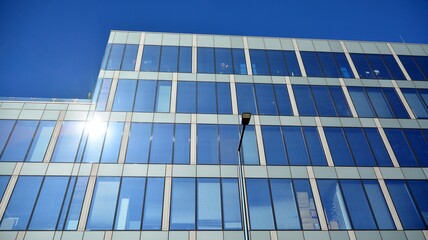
(186, 97)
(166, 59)
(343, 65)
(129, 205)
(169, 59)
(239, 63)
(19, 141)
(151, 57)
(415, 66)
(312, 66)
(153, 96)
(68, 141)
(276, 63)
(4, 180)
(104, 92)
(115, 56)
(326, 64)
(418, 101)
(129, 57)
(209, 212)
(292, 63)
(125, 94)
(259, 62)
(377, 66)
(183, 204)
(120, 57)
(185, 60)
(162, 143)
(223, 61)
(205, 60)
(246, 98)
(231, 204)
(6, 127)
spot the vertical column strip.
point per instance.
(348, 98)
(299, 58)
(194, 54)
(324, 142)
(166, 204)
(173, 103)
(386, 143)
(400, 64)
(8, 192)
(292, 98)
(140, 52)
(318, 204)
(124, 142)
(112, 91)
(259, 139)
(193, 136)
(351, 63)
(54, 138)
(247, 56)
(403, 100)
(86, 203)
(233, 95)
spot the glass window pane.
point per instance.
(207, 151)
(312, 66)
(265, 99)
(106, 55)
(224, 104)
(422, 62)
(205, 60)
(359, 147)
(306, 204)
(139, 143)
(304, 100)
(231, 204)
(284, 204)
(246, 98)
(41, 141)
(68, 142)
(6, 127)
(76, 204)
(94, 145)
(363, 67)
(361, 102)
(259, 204)
(21, 203)
(276, 63)
(169, 59)
(328, 64)
(338, 146)
(420, 195)
(49, 203)
(206, 102)
(112, 142)
(379, 103)
(151, 57)
(163, 97)
(401, 148)
(378, 148)
(4, 180)
(283, 100)
(183, 204)
(182, 144)
(343, 65)
(340, 102)
(229, 140)
(259, 62)
(186, 97)
(130, 204)
(417, 104)
(419, 145)
(378, 66)
(315, 149)
(393, 67)
(411, 68)
(104, 92)
(66, 203)
(145, 96)
(104, 200)
(223, 61)
(162, 140)
(209, 204)
(129, 57)
(115, 56)
(19, 141)
(334, 205)
(125, 93)
(378, 204)
(185, 60)
(152, 216)
(292, 64)
(274, 145)
(239, 63)
(296, 146)
(395, 103)
(323, 101)
(249, 150)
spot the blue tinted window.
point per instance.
(101, 215)
(153, 203)
(6, 127)
(229, 140)
(259, 204)
(361, 102)
(379, 69)
(418, 144)
(274, 145)
(306, 204)
(206, 102)
(328, 64)
(4, 180)
(124, 98)
(112, 142)
(68, 142)
(265, 99)
(224, 104)
(40, 141)
(245, 95)
(416, 102)
(340, 102)
(422, 62)
(209, 204)
(359, 147)
(259, 62)
(276, 63)
(19, 141)
(292, 64)
(183, 204)
(94, 144)
(343, 65)
(239, 63)
(378, 148)
(75, 205)
(323, 101)
(231, 204)
(362, 66)
(379, 102)
(338, 147)
(378, 204)
(393, 67)
(115, 56)
(162, 140)
(314, 145)
(130, 204)
(151, 57)
(395, 103)
(304, 100)
(129, 58)
(49, 202)
(205, 60)
(249, 150)
(66, 203)
(296, 146)
(401, 148)
(312, 66)
(283, 100)
(186, 97)
(185, 60)
(18, 211)
(223, 61)
(163, 96)
(169, 59)
(207, 144)
(411, 68)
(182, 143)
(139, 143)
(106, 56)
(333, 203)
(145, 96)
(420, 195)
(103, 97)
(284, 204)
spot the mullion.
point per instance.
(15, 122)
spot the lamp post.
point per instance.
(245, 120)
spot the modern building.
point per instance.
(336, 149)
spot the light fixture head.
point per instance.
(245, 118)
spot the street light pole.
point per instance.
(245, 120)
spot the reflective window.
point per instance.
(185, 59)
(68, 141)
(129, 205)
(296, 146)
(249, 152)
(292, 63)
(139, 143)
(239, 63)
(209, 212)
(410, 146)
(95, 139)
(415, 66)
(206, 97)
(153, 204)
(418, 101)
(162, 143)
(120, 57)
(224, 104)
(231, 204)
(115, 56)
(246, 98)
(284, 204)
(343, 65)
(104, 92)
(276, 63)
(393, 67)
(207, 152)
(259, 62)
(73, 204)
(338, 147)
(312, 66)
(306, 204)
(6, 127)
(151, 57)
(422, 62)
(19, 141)
(274, 146)
(153, 96)
(182, 144)
(283, 100)
(129, 57)
(4, 180)
(266, 103)
(328, 64)
(112, 142)
(259, 204)
(377, 66)
(205, 60)
(186, 97)
(304, 100)
(229, 140)
(169, 59)
(183, 204)
(125, 93)
(223, 61)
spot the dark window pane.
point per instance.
(130, 204)
(249, 150)
(183, 204)
(259, 204)
(328, 64)
(378, 148)
(312, 66)
(361, 102)
(162, 140)
(223, 61)
(229, 140)
(19, 141)
(169, 59)
(231, 204)
(94, 144)
(265, 99)
(395, 103)
(296, 146)
(419, 145)
(152, 216)
(340, 102)
(411, 68)
(259, 62)
(139, 143)
(163, 97)
(420, 195)
(206, 102)
(379, 102)
(246, 102)
(129, 57)
(125, 93)
(6, 127)
(209, 204)
(306, 204)
(274, 145)
(68, 142)
(378, 204)
(283, 100)
(362, 66)
(359, 147)
(239, 63)
(112, 142)
(416, 102)
(338, 146)
(393, 67)
(314, 145)
(115, 56)
(323, 101)
(276, 63)
(186, 97)
(224, 104)
(205, 60)
(185, 60)
(284, 204)
(378, 66)
(76, 204)
(103, 97)
(401, 148)
(304, 100)
(422, 62)
(207, 150)
(145, 96)
(182, 144)
(343, 65)
(292, 64)
(41, 141)
(151, 57)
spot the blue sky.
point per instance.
(54, 48)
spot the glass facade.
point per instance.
(337, 147)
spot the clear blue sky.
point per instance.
(54, 48)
